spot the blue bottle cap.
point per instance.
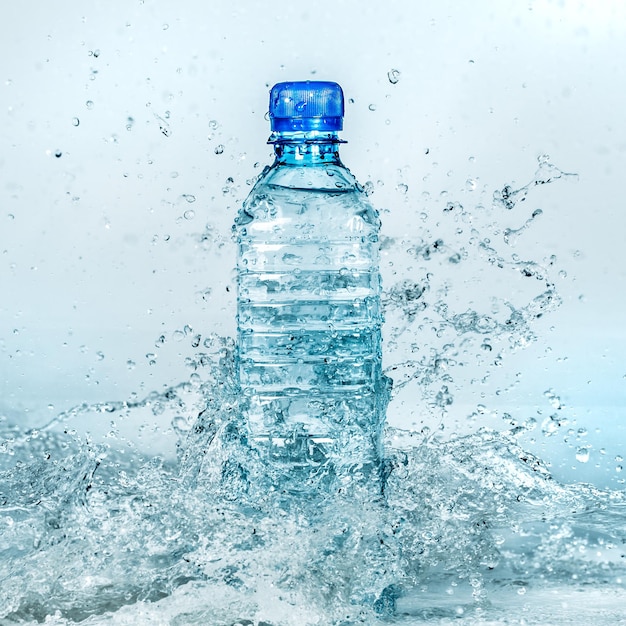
(306, 105)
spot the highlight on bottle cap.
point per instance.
(306, 105)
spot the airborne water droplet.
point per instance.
(393, 76)
(582, 454)
(219, 149)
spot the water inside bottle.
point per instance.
(309, 317)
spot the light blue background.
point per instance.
(100, 255)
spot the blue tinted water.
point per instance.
(472, 529)
(309, 314)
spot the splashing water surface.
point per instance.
(470, 529)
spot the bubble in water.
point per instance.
(393, 76)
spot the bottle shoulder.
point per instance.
(330, 177)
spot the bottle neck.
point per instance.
(306, 148)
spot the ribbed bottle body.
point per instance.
(309, 314)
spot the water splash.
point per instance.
(468, 529)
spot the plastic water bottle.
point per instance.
(309, 313)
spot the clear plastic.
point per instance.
(309, 312)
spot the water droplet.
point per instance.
(402, 188)
(582, 454)
(189, 214)
(551, 425)
(471, 184)
(219, 149)
(100, 356)
(189, 198)
(372, 107)
(165, 26)
(89, 104)
(181, 424)
(393, 76)
(75, 121)
(130, 364)
(58, 154)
